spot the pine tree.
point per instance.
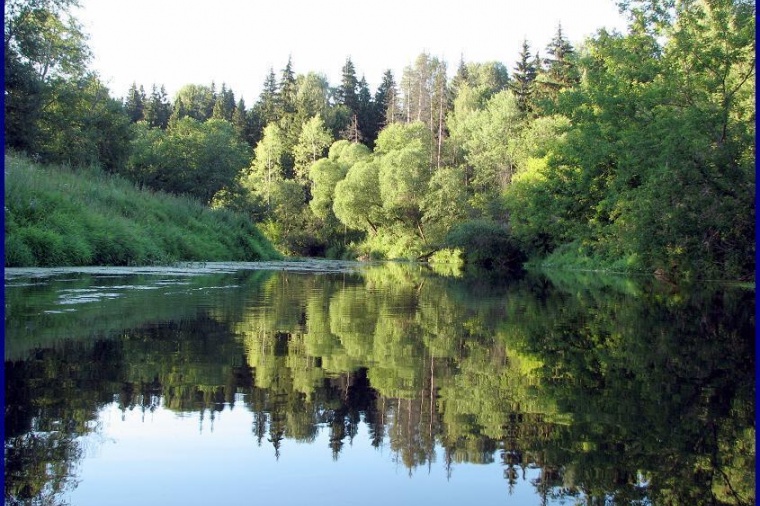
(387, 101)
(240, 121)
(224, 104)
(134, 104)
(524, 77)
(256, 123)
(461, 77)
(267, 106)
(218, 111)
(287, 89)
(229, 103)
(366, 113)
(559, 69)
(164, 108)
(346, 94)
(151, 108)
(178, 112)
(208, 110)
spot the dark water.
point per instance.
(383, 385)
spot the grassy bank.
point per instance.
(55, 216)
(574, 257)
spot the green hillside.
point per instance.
(55, 217)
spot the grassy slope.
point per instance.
(56, 217)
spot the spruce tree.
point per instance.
(287, 89)
(218, 111)
(559, 69)
(240, 121)
(157, 108)
(267, 106)
(366, 113)
(461, 77)
(224, 104)
(208, 109)
(134, 104)
(386, 101)
(524, 77)
(150, 110)
(346, 93)
(164, 108)
(229, 103)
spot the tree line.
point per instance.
(633, 151)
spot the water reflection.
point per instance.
(596, 390)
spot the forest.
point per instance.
(630, 152)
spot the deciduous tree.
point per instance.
(312, 143)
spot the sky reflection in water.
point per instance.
(164, 457)
(392, 385)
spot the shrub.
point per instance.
(17, 253)
(46, 246)
(486, 244)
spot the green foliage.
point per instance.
(654, 172)
(195, 101)
(346, 93)
(134, 103)
(357, 197)
(47, 35)
(635, 150)
(489, 143)
(55, 217)
(447, 262)
(324, 175)
(559, 70)
(72, 121)
(424, 93)
(486, 139)
(267, 165)
(157, 110)
(384, 194)
(190, 157)
(486, 244)
(386, 101)
(287, 204)
(533, 200)
(312, 143)
(524, 78)
(313, 97)
(404, 157)
(348, 153)
(445, 203)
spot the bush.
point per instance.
(486, 244)
(17, 253)
(46, 246)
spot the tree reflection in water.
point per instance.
(614, 390)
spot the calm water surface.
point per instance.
(335, 383)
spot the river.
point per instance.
(344, 383)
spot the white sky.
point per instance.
(178, 42)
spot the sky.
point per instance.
(236, 42)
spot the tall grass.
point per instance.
(55, 216)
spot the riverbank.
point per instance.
(55, 216)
